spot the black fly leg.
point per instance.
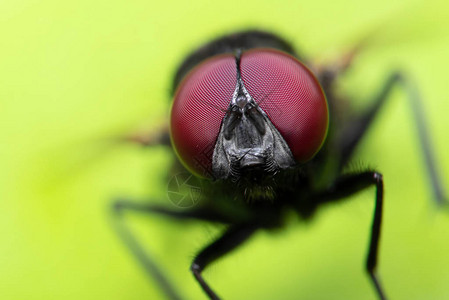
(232, 238)
(354, 130)
(351, 133)
(348, 185)
(151, 268)
(426, 144)
(144, 258)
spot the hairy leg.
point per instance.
(351, 184)
(120, 207)
(352, 132)
(230, 239)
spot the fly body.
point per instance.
(256, 124)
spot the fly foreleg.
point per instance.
(349, 185)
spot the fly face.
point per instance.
(248, 115)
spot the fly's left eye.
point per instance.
(200, 103)
(283, 87)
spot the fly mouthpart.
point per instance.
(251, 162)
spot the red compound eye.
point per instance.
(283, 87)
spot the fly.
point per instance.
(261, 132)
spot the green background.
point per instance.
(73, 74)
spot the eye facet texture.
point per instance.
(282, 86)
